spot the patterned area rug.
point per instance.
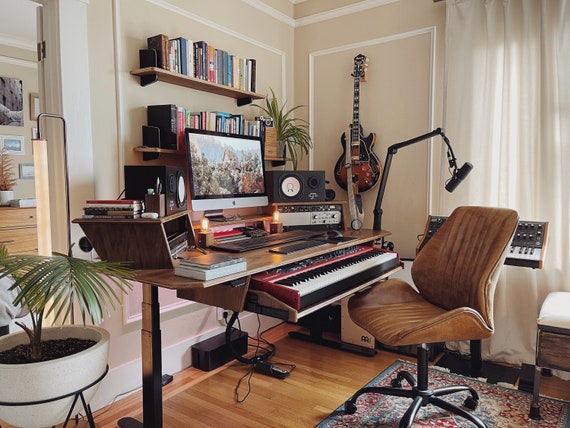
(499, 406)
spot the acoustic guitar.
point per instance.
(358, 154)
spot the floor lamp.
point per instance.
(457, 174)
(39, 147)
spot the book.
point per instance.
(102, 216)
(23, 203)
(160, 44)
(211, 261)
(111, 211)
(208, 274)
(113, 201)
(182, 54)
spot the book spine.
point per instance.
(198, 266)
(160, 44)
(208, 274)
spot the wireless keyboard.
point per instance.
(298, 246)
(265, 241)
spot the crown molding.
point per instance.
(317, 17)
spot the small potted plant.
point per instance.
(7, 177)
(292, 132)
(53, 286)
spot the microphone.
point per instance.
(458, 176)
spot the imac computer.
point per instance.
(224, 171)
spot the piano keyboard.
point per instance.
(305, 283)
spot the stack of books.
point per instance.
(112, 208)
(210, 266)
(202, 60)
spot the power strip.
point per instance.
(271, 369)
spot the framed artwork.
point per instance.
(14, 144)
(11, 106)
(27, 171)
(34, 106)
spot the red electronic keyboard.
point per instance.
(313, 280)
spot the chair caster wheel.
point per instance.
(471, 403)
(349, 408)
(396, 383)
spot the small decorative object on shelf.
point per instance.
(291, 131)
(276, 226)
(206, 236)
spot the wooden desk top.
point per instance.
(257, 261)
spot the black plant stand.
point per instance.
(77, 394)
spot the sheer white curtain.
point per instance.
(508, 112)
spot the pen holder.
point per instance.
(155, 204)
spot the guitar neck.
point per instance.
(355, 127)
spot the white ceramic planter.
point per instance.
(6, 196)
(49, 379)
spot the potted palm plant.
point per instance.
(52, 286)
(7, 177)
(291, 131)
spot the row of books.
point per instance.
(210, 266)
(204, 61)
(113, 208)
(215, 121)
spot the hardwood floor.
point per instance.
(321, 380)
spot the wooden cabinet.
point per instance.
(18, 230)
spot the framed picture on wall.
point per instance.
(27, 171)
(11, 106)
(34, 106)
(14, 144)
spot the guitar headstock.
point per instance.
(360, 67)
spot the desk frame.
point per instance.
(228, 292)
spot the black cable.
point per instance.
(256, 358)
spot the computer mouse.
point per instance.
(334, 234)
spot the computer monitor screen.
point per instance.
(224, 171)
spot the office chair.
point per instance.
(455, 274)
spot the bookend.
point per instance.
(147, 58)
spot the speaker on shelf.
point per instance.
(165, 118)
(139, 178)
(295, 186)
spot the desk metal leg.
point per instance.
(151, 363)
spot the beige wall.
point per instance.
(306, 61)
(400, 99)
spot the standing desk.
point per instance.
(229, 292)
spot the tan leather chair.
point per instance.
(455, 273)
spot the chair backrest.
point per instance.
(460, 264)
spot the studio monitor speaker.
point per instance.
(172, 179)
(295, 186)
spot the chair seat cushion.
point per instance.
(396, 315)
(554, 311)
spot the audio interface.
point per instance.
(310, 215)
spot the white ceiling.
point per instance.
(18, 23)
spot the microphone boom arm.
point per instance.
(392, 150)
